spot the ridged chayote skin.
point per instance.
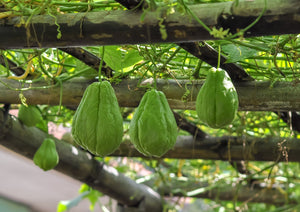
(98, 124)
(217, 100)
(153, 128)
(46, 156)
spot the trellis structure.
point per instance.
(126, 27)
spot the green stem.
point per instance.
(249, 45)
(250, 25)
(101, 62)
(194, 16)
(219, 56)
(170, 58)
(153, 63)
(60, 95)
(93, 4)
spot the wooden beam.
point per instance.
(226, 148)
(253, 96)
(128, 27)
(224, 191)
(26, 140)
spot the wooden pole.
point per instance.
(128, 27)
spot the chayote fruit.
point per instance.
(46, 156)
(153, 128)
(217, 100)
(98, 124)
(29, 115)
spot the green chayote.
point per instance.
(46, 156)
(217, 100)
(153, 128)
(98, 124)
(29, 115)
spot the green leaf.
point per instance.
(237, 53)
(118, 60)
(83, 188)
(29, 115)
(92, 195)
(62, 206)
(131, 57)
(113, 57)
(65, 205)
(43, 125)
(85, 70)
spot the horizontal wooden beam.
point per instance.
(226, 148)
(139, 27)
(26, 140)
(224, 191)
(181, 94)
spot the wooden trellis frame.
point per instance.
(106, 28)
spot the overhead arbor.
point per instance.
(50, 54)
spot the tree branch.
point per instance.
(291, 118)
(4, 61)
(184, 124)
(89, 59)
